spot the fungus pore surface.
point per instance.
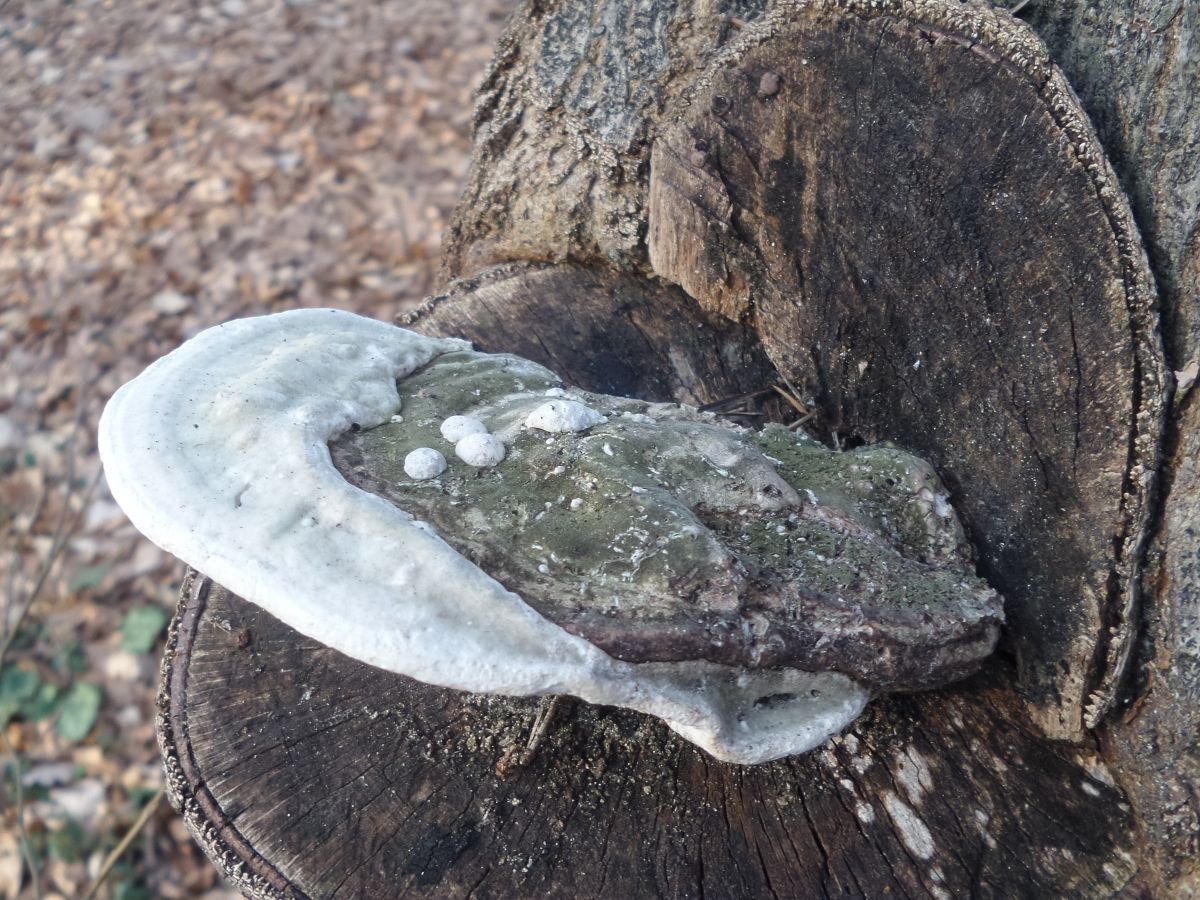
(220, 454)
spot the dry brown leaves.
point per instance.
(165, 166)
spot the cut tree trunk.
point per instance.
(306, 774)
(901, 208)
(1136, 67)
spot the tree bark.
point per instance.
(682, 201)
(1135, 66)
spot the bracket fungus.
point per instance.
(752, 590)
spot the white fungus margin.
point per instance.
(219, 454)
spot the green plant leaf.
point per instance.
(69, 843)
(79, 710)
(88, 577)
(18, 684)
(17, 687)
(141, 628)
(70, 658)
(41, 705)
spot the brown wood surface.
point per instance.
(1135, 67)
(563, 129)
(982, 301)
(306, 774)
(606, 332)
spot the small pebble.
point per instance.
(397, 420)
(455, 428)
(424, 463)
(576, 503)
(480, 450)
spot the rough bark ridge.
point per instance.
(1136, 67)
(563, 129)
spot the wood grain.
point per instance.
(306, 774)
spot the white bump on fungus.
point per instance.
(562, 416)
(480, 450)
(913, 832)
(248, 408)
(424, 463)
(455, 428)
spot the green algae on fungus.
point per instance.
(660, 534)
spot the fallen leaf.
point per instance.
(141, 628)
(88, 577)
(80, 707)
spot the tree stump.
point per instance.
(900, 207)
(306, 774)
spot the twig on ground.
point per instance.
(19, 803)
(118, 851)
(807, 417)
(513, 758)
(791, 398)
(730, 401)
(62, 533)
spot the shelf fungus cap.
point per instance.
(223, 453)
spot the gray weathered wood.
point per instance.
(1136, 68)
(306, 774)
(983, 301)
